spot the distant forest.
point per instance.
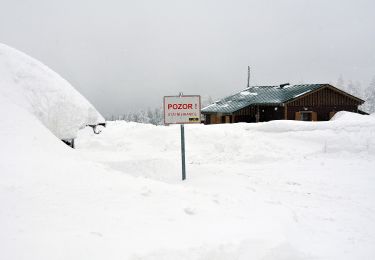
(155, 116)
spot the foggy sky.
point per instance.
(126, 55)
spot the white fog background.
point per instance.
(124, 56)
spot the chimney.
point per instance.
(283, 85)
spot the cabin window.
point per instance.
(306, 116)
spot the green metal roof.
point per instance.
(260, 95)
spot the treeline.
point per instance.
(366, 93)
(149, 116)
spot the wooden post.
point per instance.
(257, 116)
(314, 116)
(298, 116)
(286, 112)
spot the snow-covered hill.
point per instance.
(31, 85)
(310, 186)
(277, 190)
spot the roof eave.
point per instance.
(216, 112)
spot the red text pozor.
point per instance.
(180, 106)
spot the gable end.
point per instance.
(327, 95)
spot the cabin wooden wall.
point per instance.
(218, 119)
(246, 114)
(324, 113)
(325, 97)
(212, 119)
(324, 102)
(266, 113)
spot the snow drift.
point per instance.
(31, 85)
(321, 173)
(251, 193)
(277, 190)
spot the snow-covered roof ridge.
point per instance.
(32, 85)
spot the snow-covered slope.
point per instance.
(31, 85)
(55, 204)
(320, 173)
(277, 190)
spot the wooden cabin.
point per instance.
(308, 102)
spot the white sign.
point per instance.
(182, 109)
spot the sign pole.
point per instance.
(182, 110)
(183, 151)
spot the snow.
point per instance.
(31, 85)
(246, 93)
(352, 117)
(300, 94)
(276, 190)
(83, 210)
(314, 180)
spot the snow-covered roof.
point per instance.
(33, 86)
(263, 95)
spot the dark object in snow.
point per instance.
(308, 102)
(95, 127)
(69, 142)
(362, 112)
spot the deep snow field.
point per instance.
(277, 190)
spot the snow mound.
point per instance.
(348, 116)
(86, 210)
(340, 121)
(28, 83)
(251, 193)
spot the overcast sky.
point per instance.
(126, 55)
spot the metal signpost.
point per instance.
(182, 110)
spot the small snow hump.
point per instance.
(189, 211)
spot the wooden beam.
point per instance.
(286, 112)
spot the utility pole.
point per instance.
(248, 76)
